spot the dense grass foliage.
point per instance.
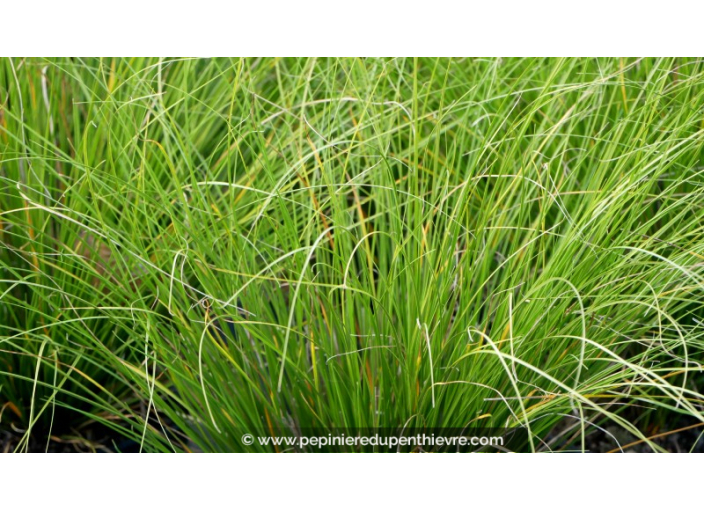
(194, 249)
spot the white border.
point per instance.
(556, 28)
(353, 481)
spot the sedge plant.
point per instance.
(196, 249)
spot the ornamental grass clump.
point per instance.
(193, 250)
